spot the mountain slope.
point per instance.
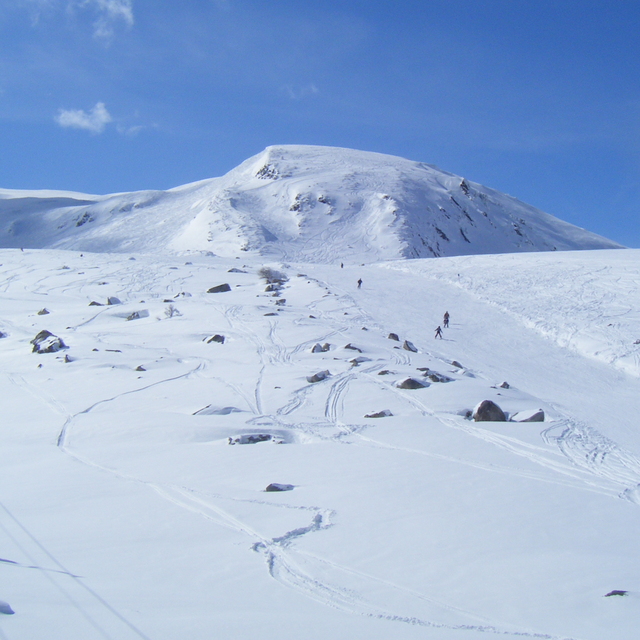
(136, 460)
(318, 204)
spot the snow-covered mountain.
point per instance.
(317, 204)
(139, 458)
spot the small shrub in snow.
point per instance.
(272, 276)
(171, 311)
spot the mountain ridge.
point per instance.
(293, 202)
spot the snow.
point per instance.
(126, 513)
(297, 203)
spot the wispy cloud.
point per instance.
(298, 93)
(94, 121)
(108, 13)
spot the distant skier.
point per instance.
(359, 283)
(438, 333)
(342, 265)
(445, 321)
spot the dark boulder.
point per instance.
(276, 486)
(221, 288)
(216, 338)
(44, 312)
(412, 383)
(46, 342)
(352, 348)
(393, 336)
(616, 592)
(437, 377)
(385, 413)
(409, 346)
(251, 439)
(489, 411)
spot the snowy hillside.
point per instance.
(137, 454)
(301, 203)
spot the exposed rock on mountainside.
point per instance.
(320, 204)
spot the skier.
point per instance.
(438, 333)
(359, 283)
(446, 319)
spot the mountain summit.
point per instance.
(299, 203)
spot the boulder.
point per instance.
(616, 592)
(455, 363)
(216, 338)
(251, 439)
(359, 360)
(393, 336)
(318, 377)
(44, 312)
(505, 385)
(276, 486)
(409, 346)
(384, 372)
(488, 411)
(385, 413)
(437, 377)
(412, 383)
(93, 303)
(221, 288)
(5, 608)
(532, 415)
(320, 348)
(113, 300)
(352, 348)
(46, 342)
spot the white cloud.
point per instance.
(298, 93)
(109, 13)
(95, 121)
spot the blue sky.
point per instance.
(538, 99)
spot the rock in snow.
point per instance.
(488, 411)
(412, 383)
(318, 377)
(276, 486)
(221, 288)
(46, 342)
(533, 415)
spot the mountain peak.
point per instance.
(296, 202)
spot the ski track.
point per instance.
(593, 461)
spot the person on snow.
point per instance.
(446, 319)
(438, 333)
(359, 283)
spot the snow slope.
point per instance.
(127, 512)
(301, 203)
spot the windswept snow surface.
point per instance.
(128, 512)
(297, 203)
